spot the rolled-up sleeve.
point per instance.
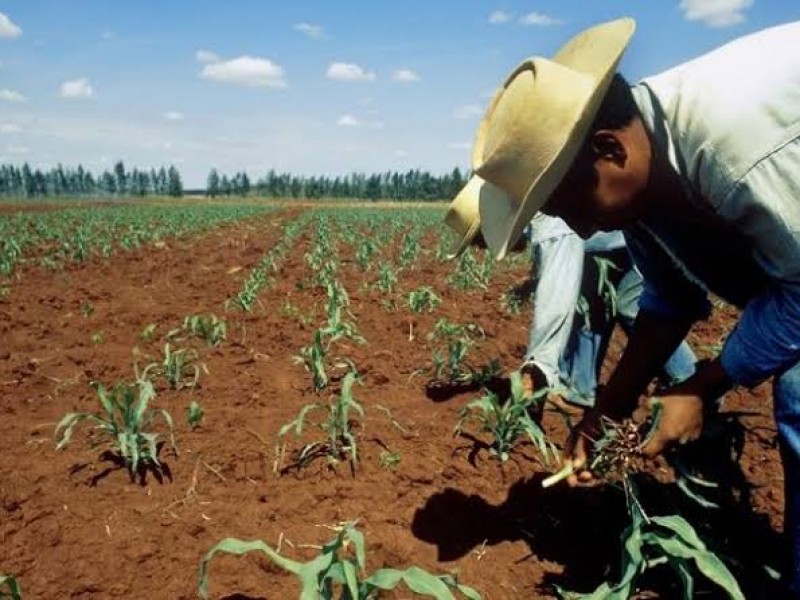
(765, 205)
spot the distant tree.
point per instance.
(121, 177)
(174, 183)
(212, 184)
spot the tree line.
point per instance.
(60, 181)
(25, 182)
(391, 185)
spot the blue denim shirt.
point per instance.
(729, 122)
(558, 255)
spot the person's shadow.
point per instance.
(580, 529)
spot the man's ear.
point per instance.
(607, 145)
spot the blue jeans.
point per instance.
(786, 392)
(586, 349)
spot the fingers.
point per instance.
(654, 446)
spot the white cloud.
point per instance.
(498, 17)
(8, 29)
(173, 115)
(10, 128)
(459, 146)
(206, 56)
(107, 35)
(76, 89)
(315, 32)
(351, 121)
(405, 76)
(246, 70)
(11, 96)
(17, 150)
(467, 111)
(347, 121)
(349, 72)
(400, 153)
(539, 20)
(715, 13)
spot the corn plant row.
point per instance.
(269, 265)
(77, 234)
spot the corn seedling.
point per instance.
(470, 274)
(458, 339)
(514, 300)
(387, 278)
(647, 541)
(408, 250)
(178, 368)
(338, 425)
(650, 541)
(149, 332)
(97, 338)
(313, 359)
(423, 299)
(126, 418)
(364, 254)
(508, 422)
(389, 460)
(605, 291)
(9, 588)
(194, 414)
(207, 327)
(339, 571)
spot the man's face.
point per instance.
(604, 191)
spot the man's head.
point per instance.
(603, 188)
(536, 128)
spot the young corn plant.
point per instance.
(509, 421)
(366, 250)
(647, 541)
(179, 368)
(605, 291)
(338, 426)
(195, 414)
(387, 278)
(471, 274)
(339, 571)
(313, 359)
(452, 367)
(337, 327)
(9, 588)
(209, 327)
(409, 248)
(126, 418)
(423, 299)
(651, 541)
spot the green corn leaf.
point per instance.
(10, 588)
(239, 547)
(351, 579)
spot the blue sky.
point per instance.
(304, 86)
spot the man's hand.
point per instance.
(580, 445)
(681, 421)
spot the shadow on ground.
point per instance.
(580, 529)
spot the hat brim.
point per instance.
(503, 219)
(487, 193)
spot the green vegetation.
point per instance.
(339, 571)
(125, 420)
(338, 426)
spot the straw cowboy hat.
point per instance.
(462, 215)
(532, 131)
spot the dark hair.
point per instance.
(618, 107)
(617, 110)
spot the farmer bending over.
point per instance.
(700, 166)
